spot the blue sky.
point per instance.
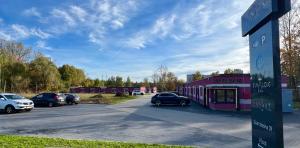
(131, 37)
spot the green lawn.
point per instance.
(104, 98)
(95, 98)
(11, 141)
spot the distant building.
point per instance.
(189, 78)
(237, 71)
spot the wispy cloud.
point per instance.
(95, 20)
(235, 58)
(108, 15)
(115, 13)
(97, 36)
(63, 15)
(199, 21)
(20, 31)
(31, 12)
(43, 45)
(5, 36)
(139, 41)
(39, 33)
(181, 24)
(161, 28)
(78, 12)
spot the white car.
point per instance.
(11, 102)
(137, 92)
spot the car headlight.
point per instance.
(19, 103)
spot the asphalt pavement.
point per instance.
(138, 121)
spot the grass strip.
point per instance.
(13, 141)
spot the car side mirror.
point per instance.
(2, 99)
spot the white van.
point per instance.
(11, 102)
(137, 92)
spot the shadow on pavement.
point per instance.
(197, 108)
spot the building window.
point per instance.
(220, 96)
(230, 96)
(201, 90)
(194, 90)
(224, 95)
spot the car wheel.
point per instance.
(9, 109)
(182, 103)
(157, 103)
(50, 104)
(28, 110)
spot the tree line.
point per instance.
(23, 70)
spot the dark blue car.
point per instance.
(49, 99)
(169, 99)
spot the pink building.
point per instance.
(101, 89)
(222, 92)
(111, 89)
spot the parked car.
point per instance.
(72, 98)
(11, 102)
(137, 92)
(174, 92)
(49, 99)
(169, 98)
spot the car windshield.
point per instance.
(74, 95)
(167, 94)
(13, 97)
(174, 94)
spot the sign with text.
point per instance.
(261, 11)
(260, 22)
(265, 88)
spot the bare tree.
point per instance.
(15, 51)
(290, 40)
(155, 78)
(162, 72)
(164, 80)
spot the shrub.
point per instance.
(120, 94)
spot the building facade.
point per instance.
(222, 92)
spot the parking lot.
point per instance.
(138, 121)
